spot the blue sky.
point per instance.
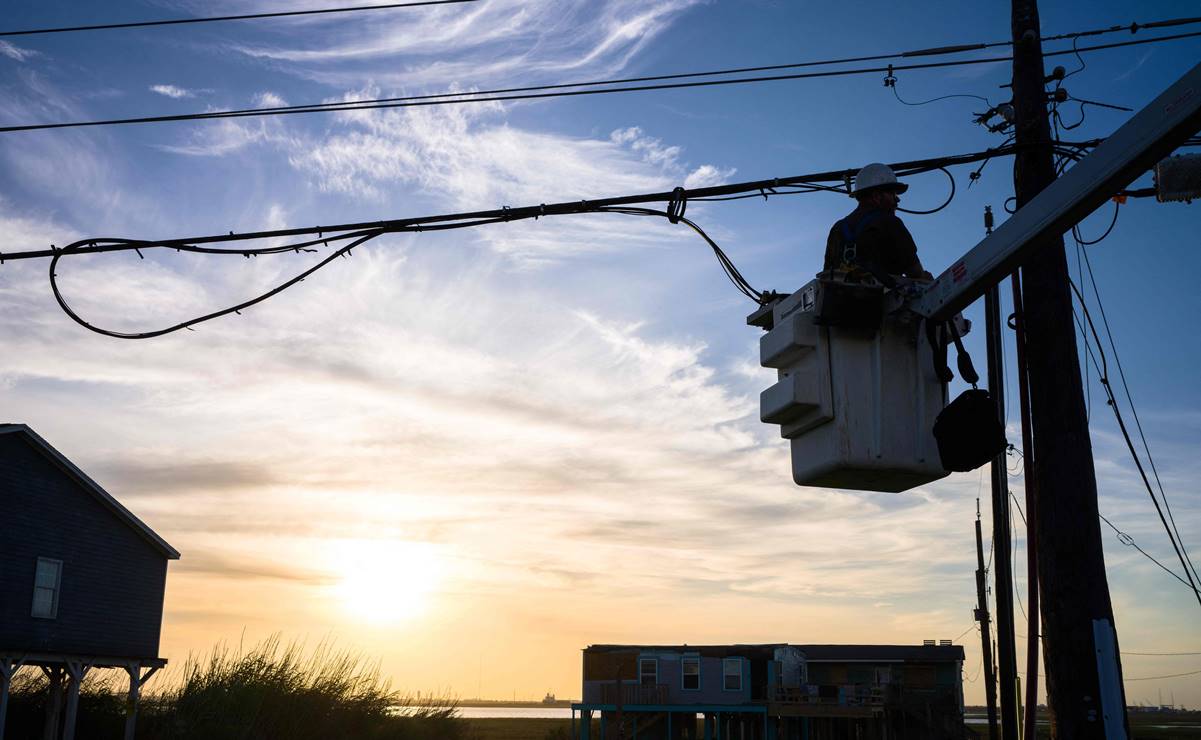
(550, 428)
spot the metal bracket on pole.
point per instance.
(1149, 136)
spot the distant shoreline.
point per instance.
(515, 704)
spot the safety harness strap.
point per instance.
(850, 251)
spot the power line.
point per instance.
(762, 188)
(673, 214)
(1132, 28)
(1124, 652)
(1112, 401)
(1132, 652)
(557, 91)
(1170, 675)
(1151, 678)
(357, 234)
(218, 18)
(1126, 539)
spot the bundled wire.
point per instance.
(727, 265)
(350, 236)
(353, 239)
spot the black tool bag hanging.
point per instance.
(968, 431)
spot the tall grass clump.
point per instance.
(274, 692)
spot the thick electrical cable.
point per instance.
(1117, 412)
(359, 233)
(902, 101)
(491, 96)
(812, 180)
(356, 239)
(947, 202)
(727, 265)
(1112, 222)
(222, 18)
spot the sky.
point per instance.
(469, 455)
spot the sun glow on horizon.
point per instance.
(385, 581)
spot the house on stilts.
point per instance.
(771, 692)
(81, 580)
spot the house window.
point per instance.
(648, 671)
(731, 671)
(690, 673)
(46, 580)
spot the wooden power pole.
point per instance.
(1007, 667)
(1084, 674)
(990, 679)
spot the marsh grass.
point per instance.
(270, 692)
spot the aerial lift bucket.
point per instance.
(857, 395)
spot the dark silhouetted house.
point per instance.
(771, 692)
(81, 578)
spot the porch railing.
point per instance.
(654, 693)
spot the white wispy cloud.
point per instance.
(268, 99)
(468, 158)
(707, 175)
(478, 44)
(172, 91)
(12, 51)
(73, 169)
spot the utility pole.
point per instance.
(1002, 539)
(1084, 674)
(990, 680)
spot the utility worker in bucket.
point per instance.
(872, 238)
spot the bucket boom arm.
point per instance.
(1149, 136)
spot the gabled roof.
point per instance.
(104, 497)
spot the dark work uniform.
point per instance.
(883, 243)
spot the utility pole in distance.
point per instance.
(1007, 667)
(990, 680)
(1084, 674)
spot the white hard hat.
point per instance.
(876, 175)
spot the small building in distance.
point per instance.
(771, 692)
(81, 578)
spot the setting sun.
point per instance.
(383, 581)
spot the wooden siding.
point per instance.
(111, 594)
